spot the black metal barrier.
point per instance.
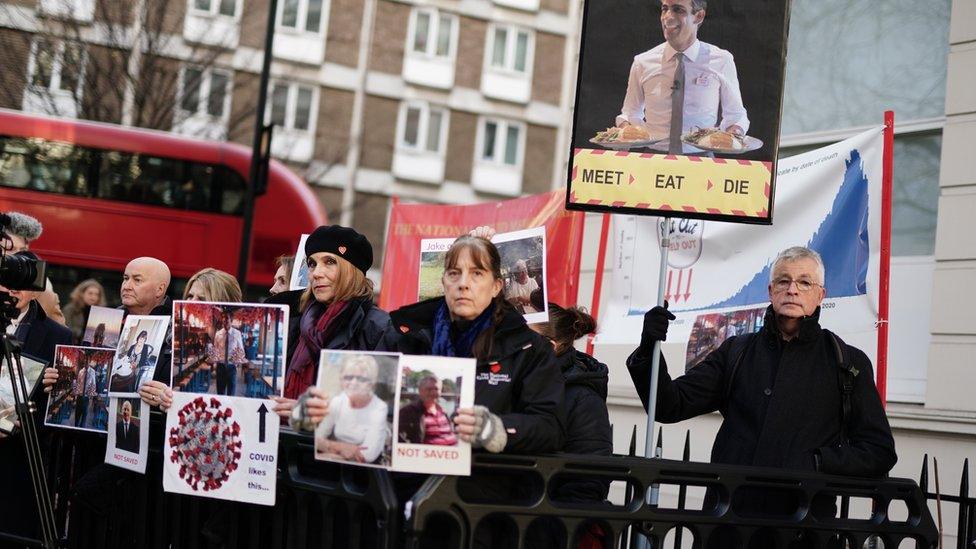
(509, 501)
(743, 506)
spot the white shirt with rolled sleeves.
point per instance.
(710, 82)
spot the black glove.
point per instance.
(656, 325)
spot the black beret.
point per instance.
(343, 242)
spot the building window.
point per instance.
(57, 66)
(227, 8)
(511, 49)
(502, 142)
(291, 106)
(79, 10)
(302, 15)
(422, 128)
(205, 91)
(432, 33)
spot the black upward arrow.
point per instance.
(262, 411)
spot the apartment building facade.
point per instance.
(447, 101)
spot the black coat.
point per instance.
(520, 381)
(39, 334)
(587, 420)
(784, 404)
(364, 325)
(127, 441)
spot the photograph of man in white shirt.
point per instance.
(684, 72)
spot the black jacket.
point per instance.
(362, 331)
(520, 381)
(784, 404)
(587, 420)
(127, 441)
(39, 334)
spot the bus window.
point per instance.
(195, 191)
(231, 185)
(50, 166)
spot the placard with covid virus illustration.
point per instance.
(221, 447)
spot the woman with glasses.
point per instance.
(336, 312)
(355, 429)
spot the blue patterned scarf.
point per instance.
(443, 345)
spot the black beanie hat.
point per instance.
(343, 242)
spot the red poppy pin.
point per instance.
(404, 329)
(495, 367)
(342, 249)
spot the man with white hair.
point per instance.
(520, 288)
(792, 395)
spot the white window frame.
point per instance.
(301, 19)
(525, 5)
(501, 137)
(57, 66)
(291, 106)
(214, 10)
(432, 34)
(422, 128)
(203, 98)
(79, 10)
(511, 44)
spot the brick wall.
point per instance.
(332, 129)
(537, 167)
(390, 25)
(471, 53)
(460, 146)
(547, 70)
(345, 22)
(379, 132)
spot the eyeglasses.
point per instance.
(361, 379)
(783, 284)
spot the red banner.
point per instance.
(411, 223)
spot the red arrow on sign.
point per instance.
(688, 287)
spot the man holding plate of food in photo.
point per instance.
(686, 88)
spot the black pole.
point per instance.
(256, 148)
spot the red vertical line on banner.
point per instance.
(885, 268)
(601, 257)
(578, 256)
(384, 289)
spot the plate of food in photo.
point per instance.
(718, 141)
(625, 138)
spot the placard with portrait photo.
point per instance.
(430, 391)
(32, 370)
(137, 354)
(299, 270)
(104, 327)
(523, 255)
(79, 398)
(128, 434)
(233, 349)
(361, 388)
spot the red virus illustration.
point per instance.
(206, 444)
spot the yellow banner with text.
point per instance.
(688, 184)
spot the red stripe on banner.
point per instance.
(594, 201)
(695, 158)
(767, 165)
(597, 151)
(714, 211)
(666, 207)
(691, 209)
(670, 157)
(719, 160)
(578, 151)
(618, 204)
(575, 170)
(621, 153)
(632, 179)
(644, 205)
(744, 162)
(762, 213)
(572, 197)
(739, 212)
(647, 155)
(766, 190)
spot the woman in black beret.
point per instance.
(336, 311)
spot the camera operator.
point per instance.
(21, 231)
(38, 336)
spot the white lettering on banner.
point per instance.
(493, 379)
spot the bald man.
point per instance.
(144, 285)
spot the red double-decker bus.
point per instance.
(107, 193)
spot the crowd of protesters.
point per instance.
(534, 392)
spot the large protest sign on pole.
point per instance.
(829, 199)
(713, 158)
(412, 223)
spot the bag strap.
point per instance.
(846, 374)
